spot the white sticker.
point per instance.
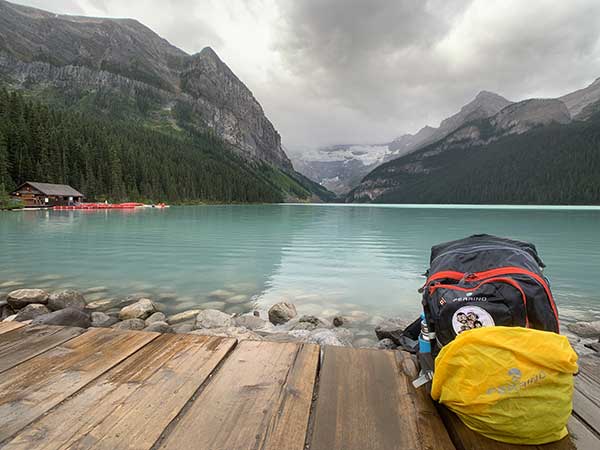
(469, 317)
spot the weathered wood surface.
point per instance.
(30, 389)
(366, 402)
(5, 327)
(130, 405)
(113, 389)
(26, 342)
(251, 400)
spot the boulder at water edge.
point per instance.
(282, 312)
(22, 297)
(585, 329)
(159, 327)
(239, 333)
(211, 318)
(102, 320)
(31, 311)
(141, 309)
(391, 329)
(252, 322)
(68, 298)
(68, 317)
(183, 316)
(130, 324)
(156, 317)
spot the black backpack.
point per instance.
(483, 281)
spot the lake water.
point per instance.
(327, 259)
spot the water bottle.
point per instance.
(424, 342)
(424, 356)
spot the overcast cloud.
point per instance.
(366, 71)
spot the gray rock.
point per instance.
(303, 326)
(159, 327)
(345, 336)
(339, 321)
(31, 311)
(6, 311)
(130, 324)
(386, 344)
(282, 312)
(142, 309)
(323, 336)
(156, 317)
(391, 329)
(68, 317)
(364, 343)
(585, 329)
(252, 322)
(68, 298)
(102, 305)
(239, 333)
(183, 316)
(102, 320)
(211, 318)
(183, 327)
(22, 297)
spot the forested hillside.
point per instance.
(121, 160)
(553, 164)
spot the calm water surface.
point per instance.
(327, 259)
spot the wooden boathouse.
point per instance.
(113, 389)
(34, 194)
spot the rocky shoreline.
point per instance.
(281, 322)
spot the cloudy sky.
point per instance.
(366, 71)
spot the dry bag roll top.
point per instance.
(510, 384)
(483, 281)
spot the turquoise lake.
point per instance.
(364, 261)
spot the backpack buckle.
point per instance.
(423, 379)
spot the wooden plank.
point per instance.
(589, 365)
(26, 342)
(256, 392)
(288, 428)
(130, 405)
(366, 402)
(586, 410)
(581, 436)
(32, 388)
(5, 327)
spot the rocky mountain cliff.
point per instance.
(535, 119)
(341, 167)
(77, 57)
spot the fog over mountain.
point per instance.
(350, 71)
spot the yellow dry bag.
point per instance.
(510, 384)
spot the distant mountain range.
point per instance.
(487, 118)
(533, 151)
(122, 70)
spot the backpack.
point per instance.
(483, 281)
(510, 384)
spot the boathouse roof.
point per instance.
(63, 190)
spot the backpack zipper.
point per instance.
(509, 281)
(477, 276)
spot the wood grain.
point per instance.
(129, 406)
(5, 327)
(252, 397)
(34, 387)
(26, 342)
(366, 402)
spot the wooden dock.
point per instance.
(112, 389)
